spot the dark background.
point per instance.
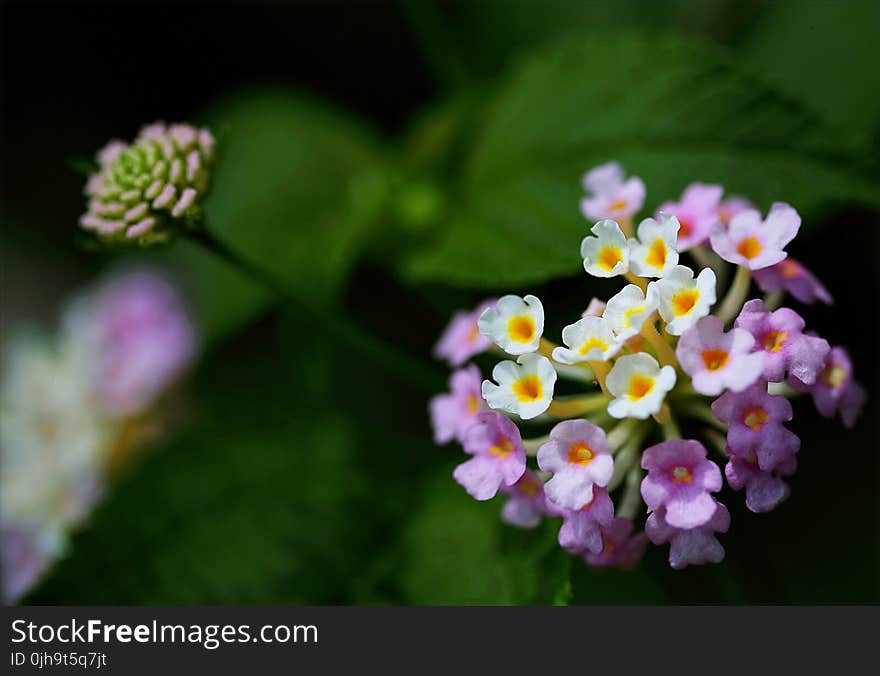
(75, 75)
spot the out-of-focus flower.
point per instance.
(620, 548)
(514, 323)
(654, 253)
(764, 489)
(499, 458)
(716, 360)
(697, 211)
(790, 276)
(731, 207)
(834, 388)
(462, 338)
(682, 299)
(610, 195)
(526, 504)
(581, 528)
(638, 386)
(525, 387)
(690, 546)
(606, 253)
(578, 457)
(786, 349)
(755, 243)
(452, 414)
(143, 191)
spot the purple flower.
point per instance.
(499, 456)
(694, 546)
(680, 479)
(581, 529)
(462, 339)
(620, 549)
(526, 503)
(24, 559)
(779, 336)
(755, 426)
(731, 207)
(610, 195)
(753, 243)
(835, 389)
(697, 212)
(142, 337)
(578, 457)
(789, 275)
(764, 490)
(452, 414)
(716, 360)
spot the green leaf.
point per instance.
(457, 551)
(670, 111)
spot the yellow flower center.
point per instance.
(474, 333)
(521, 328)
(715, 359)
(834, 376)
(682, 475)
(686, 228)
(683, 302)
(591, 344)
(749, 248)
(790, 269)
(640, 386)
(609, 256)
(619, 205)
(774, 340)
(632, 312)
(503, 447)
(580, 454)
(657, 254)
(756, 418)
(529, 487)
(473, 404)
(528, 389)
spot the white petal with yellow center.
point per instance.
(606, 254)
(588, 339)
(654, 254)
(683, 300)
(638, 385)
(629, 309)
(523, 388)
(515, 324)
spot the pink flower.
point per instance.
(697, 212)
(462, 339)
(789, 275)
(755, 429)
(731, 207)
(141, 335)
(764, 490)
(835, 389)
(693, 546)
(680, 479)
(499, 456)
(581, 529)
(716, 360)
(526, 503)
(610, 195)
(452, 414)
(620, 549)
(778, 335)
(24, 558)
(753, 243)
(578, 457)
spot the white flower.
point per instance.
(525, 387)
(639, 386)
(588, 339)
(628, 310)
(654, 254)
(515, 324)
(606, 254)
(682, 300)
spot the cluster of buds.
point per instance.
(664, 354)
(77, 405)
(142, 191)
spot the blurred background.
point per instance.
(394, 162)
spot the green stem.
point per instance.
(406, 368)
(736, 295)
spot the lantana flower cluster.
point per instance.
(75, 406)
(668, 351)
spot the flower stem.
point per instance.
(408, 369)
(573, 407)
(640, 282)
(664, 352)
(632, 497)
(774, 300)
(532, 445)
(736, 295)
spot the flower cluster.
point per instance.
(663, 351)
(142, 190)
(77, 405)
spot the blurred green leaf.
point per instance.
(457, 551)
(670, 111)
